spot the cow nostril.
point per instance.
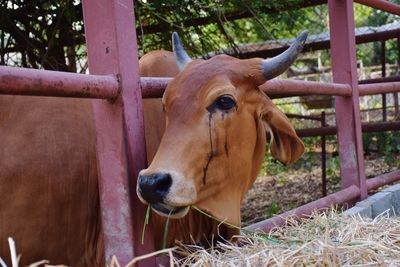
(164, 182)
(154, 187)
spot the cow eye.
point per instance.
(225, 103)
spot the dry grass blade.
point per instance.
(327, 239)
(155, 253)
(146, 221)
(2, 263)
(15, 259)
(114, 262)
(13, 251)
(38, 263)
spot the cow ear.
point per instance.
(285, 145)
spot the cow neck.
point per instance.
(194, 228)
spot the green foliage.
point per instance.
(387, 143)
(370, 52)
(273, 209)
(271, 166)
(308, 160)
(49, 34)
(333, 167)
(367, 16)
(288, 108)
(208, 25)
(41, 34)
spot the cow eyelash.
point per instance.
(225, 103)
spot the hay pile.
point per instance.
(15, 258)
(328, 239)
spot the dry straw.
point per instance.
(327, 239)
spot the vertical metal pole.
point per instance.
(2, 46)
(383, 70)
(111, 42)
(344, 68)
(396, 95)
(323, 154)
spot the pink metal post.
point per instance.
(111, 41)
(343, 54)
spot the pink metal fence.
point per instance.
(115, 84)
(121, 151)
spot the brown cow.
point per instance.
(214, 143)
(48, 176)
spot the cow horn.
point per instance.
(275, 66)
(182, 58)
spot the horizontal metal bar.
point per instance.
(383, 179)
(380, 80)
(277, 88)
(33, 82)
(366, 128)
(379, 88)
(324, 44)
(382, 5)
(345, 195)
(313, 132)
(305, 117)
(23, 81)
(154, 87)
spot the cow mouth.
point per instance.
(168, 211)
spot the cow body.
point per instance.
(48, 180)
(48, 174)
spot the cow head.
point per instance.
(215, 139)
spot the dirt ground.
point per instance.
(272, 195)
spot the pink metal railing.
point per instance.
(23, 81)
(383, 179)
(154, 87)
(344, 70)
(379, 88)
(120, 142)
(121, 153)
(382, 5)
(350, 193)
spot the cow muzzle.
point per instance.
(163, 194)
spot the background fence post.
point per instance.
(323, 155)
(383, 72)
(344, 69)
(112, 49)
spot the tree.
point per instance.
(41, 34)
(49, 34)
